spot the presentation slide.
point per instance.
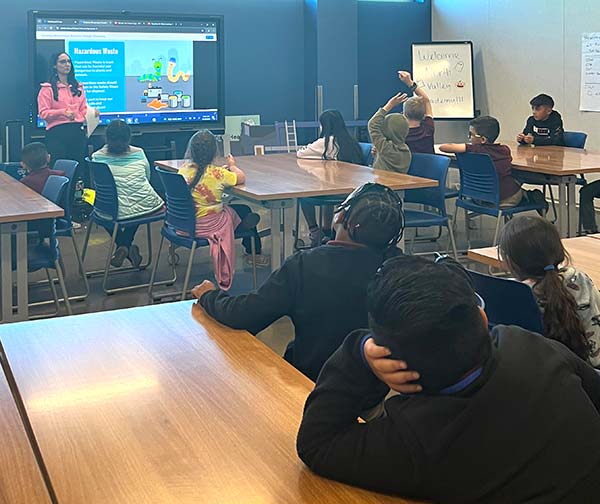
(144, 71)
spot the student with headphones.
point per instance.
(323, 290)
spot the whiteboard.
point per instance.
(590, 72)
(445, 71)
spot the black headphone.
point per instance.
(371, 188)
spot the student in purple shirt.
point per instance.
(420, 117)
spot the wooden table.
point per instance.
(560, 166)
(584, 252)
(160, 405)
(20, 477)
(18, 204)
(276, 182)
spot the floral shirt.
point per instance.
(208, 193)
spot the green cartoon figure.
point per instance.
(153, 77)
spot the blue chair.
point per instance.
(15, 170)
(508, 302)
(575, 139)
(367, 152)
(64, 225)
(105, 213)
(46, 254)
(434, 167)
(180, 229)
(480, 191)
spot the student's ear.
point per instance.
(338, 217)
(48, 158)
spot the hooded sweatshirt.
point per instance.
(547, 132)
(388, 134)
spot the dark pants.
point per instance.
(125, 235)
(69, 141)
(242, 211)
(587, 215)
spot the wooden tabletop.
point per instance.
(20, 478)
(161, 404)
(584, 252)
(282, 176)
(20, 203)
(551, 160)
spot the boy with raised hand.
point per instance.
(323, 290)
(544, 126)
(511, 417)
(419, 113)
(388, 133)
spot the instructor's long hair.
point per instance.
(532, 249)
(201, 150)
(53, 79)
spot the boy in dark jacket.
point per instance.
(323, 290)
(35, 160)
(511, 418)
(544, 126)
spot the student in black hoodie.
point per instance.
(511, 418)
(323, 290)
(544, 126)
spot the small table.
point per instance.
(18, 204)
(20, 477)
(162, 404)
(560, 165)
(584, 252)
(276, 181)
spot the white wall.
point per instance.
(521, 49)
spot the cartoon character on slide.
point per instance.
(153, 77)
(179, 75)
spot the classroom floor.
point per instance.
(276, 336)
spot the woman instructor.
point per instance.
(62, 104)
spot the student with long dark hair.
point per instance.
(215, 221)
(131, 171)
(532, 250)
(62, 104)
(334, 143)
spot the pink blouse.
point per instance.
(53, 111)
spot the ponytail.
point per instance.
(201, 150)
(561, 319)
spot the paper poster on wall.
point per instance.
(590, 72)
(445, 70)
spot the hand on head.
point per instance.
(393, 373)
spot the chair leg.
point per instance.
(452, 240)
(63, 287)
(297, 227)
(113, 238)
(53, 291)
(497, 233)
(86, 241)
(467, 230)
(552, 201)
(188, 272)
(81, 268)
(253, 250)
(154, 268)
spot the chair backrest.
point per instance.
(107, 201)
(367, 153)
(181, 210)
(434, 167)
(575, 139)
(15, 170)
(54, 188)
(478, 178)
(69, 167)
(508, 302)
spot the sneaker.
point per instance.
(262, 261)
(134, 256)
(119, 256)
(537, 198)
(250, 221)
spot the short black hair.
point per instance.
(427, 314)
(542, 100)
(35, 156)
(486, 126)
(118, 136)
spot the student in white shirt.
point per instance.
(334, 143)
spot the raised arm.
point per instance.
(375, 126)
(417, 90)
